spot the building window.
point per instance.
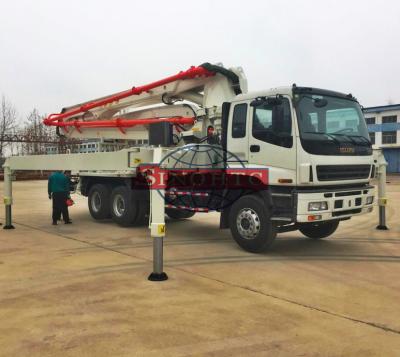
(332, 125)
(389, 119)
(370, 120)
(389, 137)
(372, 138)
(352, 124)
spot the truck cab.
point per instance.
(316, 148)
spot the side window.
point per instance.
(272, 123)
(239, 121)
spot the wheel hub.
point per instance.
(245, 223)
(96, 202)
(248, 223)
(119, 205)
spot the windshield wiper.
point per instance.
(350, 137)
(362, 137)
(347, 136)
(354, 136)
(323, 133)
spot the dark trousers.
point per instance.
(60, 206)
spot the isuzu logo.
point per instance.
(347, 150)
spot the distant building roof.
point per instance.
(382, 108)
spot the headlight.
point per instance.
(318, 206)
(370, 199)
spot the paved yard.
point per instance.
(82, 289)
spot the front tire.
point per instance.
(319, 230)
(250, 224)
(99, 201)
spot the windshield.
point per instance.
(332, 126)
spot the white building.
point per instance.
(384, 130)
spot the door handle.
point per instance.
(254, 148)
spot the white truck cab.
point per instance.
(316, 147)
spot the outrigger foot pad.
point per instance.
(9, 227)
(382, 228)
(158, 277)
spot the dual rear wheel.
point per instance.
(99, 201)
(125, 206)
(118, 203)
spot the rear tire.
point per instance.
(178, 214)
(319, 230)
(124, 209)
(99, 201)
(250, 224)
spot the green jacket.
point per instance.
(58, 182)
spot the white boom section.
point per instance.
(123, 162)
(200, 93)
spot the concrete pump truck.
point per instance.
(306, 152)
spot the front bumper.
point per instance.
(342, 203)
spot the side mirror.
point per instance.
(320, 103)
(288, 141)
(274, 101)
(257, 102)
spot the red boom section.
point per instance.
(57, 119)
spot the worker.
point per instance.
(59, 190)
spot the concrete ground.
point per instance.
(82, 289)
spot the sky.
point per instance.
(57, 53)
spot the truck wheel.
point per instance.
(250, 224)
(124, 209)
(319, 230)
(99, 201)
(178, 214)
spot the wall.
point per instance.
(390, 151)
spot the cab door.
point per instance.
(237, 133)
(271, 137)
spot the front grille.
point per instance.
(342, 172)
(338, 204)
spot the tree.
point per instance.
(8, 122)
(35, 130)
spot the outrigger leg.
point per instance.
(382, 200)
(8, 196)
(157, 226)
